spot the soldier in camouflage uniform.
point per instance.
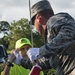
(59, 31)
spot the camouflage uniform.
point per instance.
(59, 51)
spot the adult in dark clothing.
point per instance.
(59, 31)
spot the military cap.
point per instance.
(40, 6)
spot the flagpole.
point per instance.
(30, 23)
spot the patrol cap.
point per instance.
(38, 7)
(21, 42)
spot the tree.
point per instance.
(4, 27)
(20, 29)
(4, 41)
(38, 39)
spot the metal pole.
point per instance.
(31, 24)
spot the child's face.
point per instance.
(23, 50)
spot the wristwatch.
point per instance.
(9, 64)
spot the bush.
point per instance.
(2, 65)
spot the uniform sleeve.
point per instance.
(62, 41)
(26, 63)
(61, 35)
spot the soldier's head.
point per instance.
(40, 13)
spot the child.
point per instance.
(23, 45)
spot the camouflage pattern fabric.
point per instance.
(60, 48)
(59, 51)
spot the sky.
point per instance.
(16, 9)
(11, 10)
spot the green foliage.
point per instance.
(51, 72)
(4, 27)
(1, 67)
(20, 29)
(4, 41)
(38, 40)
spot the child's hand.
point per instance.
(18, 57)
(11, 57)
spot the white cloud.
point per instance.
(16, 9)
(64, 6)
(17, 13)
(11, 3)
